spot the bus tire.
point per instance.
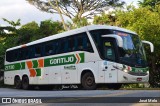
(25, 83)
(88, 81)
(17, 83)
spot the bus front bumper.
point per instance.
(128, 78)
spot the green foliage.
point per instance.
(7, 38)
(27, 33)
(79, 22)
(49, 27)
(17, 23)
(151, 3)
(143, 21)
(103, 19)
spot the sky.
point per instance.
(21, 9)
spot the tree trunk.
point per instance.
(60, 13)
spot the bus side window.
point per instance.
(26, 53)
(16, 55)
(71, 44)
(83, 43)
(38, 51)
(48, 49)
(57, 46)
(20, 55)
(54, 47)
(9, 56)
(87, 44)
(63, 45)
(109, 51)
(80, 42)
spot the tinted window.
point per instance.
(63, 45)
(78, 42)
(83, 43)
(71, 43)
(38, 51)
(49, 49)
(9, 56)
(16, 55)
(97, 37)
(109, 50)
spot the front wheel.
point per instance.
(88, 81)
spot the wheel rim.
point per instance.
(89, 81)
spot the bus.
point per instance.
(89, 56)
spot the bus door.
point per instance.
(110, 57)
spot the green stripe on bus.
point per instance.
(23, 65)
(35, 63)
(12, 67)
(82, 57)
(61, 60)
(38, 72)
(54, 61)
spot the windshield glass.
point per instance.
(132, 52)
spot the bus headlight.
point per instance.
(127, 69)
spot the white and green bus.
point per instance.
(89, 56)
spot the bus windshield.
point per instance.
(132, 53)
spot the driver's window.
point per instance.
(109, 52)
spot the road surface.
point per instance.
(91, 97)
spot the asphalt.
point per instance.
(85, 97)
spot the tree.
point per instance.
(11, 30)
(74, 9)
(146, 23)
(28, 33)
(104, 19)
(151, 3)
(49, 27)
(7, 38)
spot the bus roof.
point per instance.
(72, 32)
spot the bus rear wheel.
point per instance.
(25, 83)
(17, 83)
(88, 81)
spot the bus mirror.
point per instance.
(151, 45)
(118, 39)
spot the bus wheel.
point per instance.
(17, 83)
(25, 83)
(88, 81)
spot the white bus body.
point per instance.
(79, 56)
